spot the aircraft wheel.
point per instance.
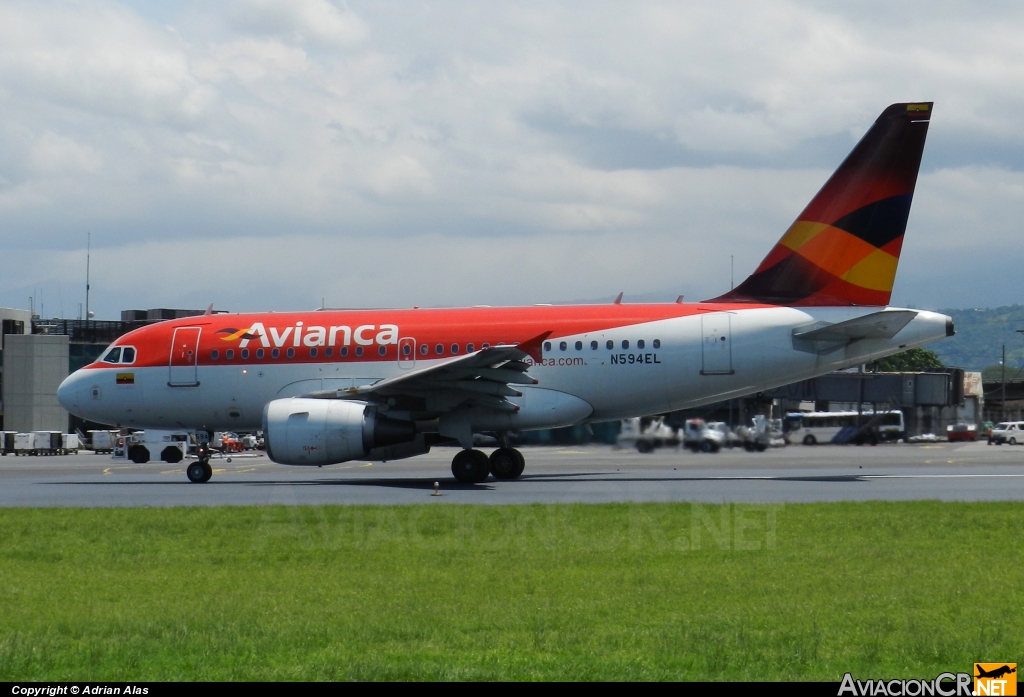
(507, 463)
(199, 472)
(471, 466)
(138, 454)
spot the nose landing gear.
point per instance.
(199, 472)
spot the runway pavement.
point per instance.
(587, 474)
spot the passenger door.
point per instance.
(184, 357)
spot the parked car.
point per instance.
(961, 432)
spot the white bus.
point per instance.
(815, 427)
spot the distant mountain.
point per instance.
(980, 336)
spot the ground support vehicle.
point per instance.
(698, 436)
(645, 438)
(7, 442)
(763, 433)
(100, 441)
(841, 427)
(729, 437)
(142, 446)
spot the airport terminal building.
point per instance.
(36, 355)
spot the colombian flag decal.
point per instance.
(126, 378)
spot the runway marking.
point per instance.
(935, 476)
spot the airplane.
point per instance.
(330, 386)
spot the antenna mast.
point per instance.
(88, 250)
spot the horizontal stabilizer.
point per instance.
(877, 325)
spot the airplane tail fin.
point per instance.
(845, 246)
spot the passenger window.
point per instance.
(273, 354)
(229, 354)
(579, 345)
(562, 346)
(625, 343)
(384, 349)
(359, 350)
(640, 344)
(610, 345)
(593, 345)
(406, 350)
(343, 351)
(245, 354)
(312, 353)
(439, 349)
(455, 348)
(113, 355)
(291, 353)
(128, 355)
(657, 343)
(328, 352)
(214, 354)
(259, 353)
(485, 345)
(424, 349)
(547, 345)
(470, 348)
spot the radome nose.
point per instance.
(67, 393)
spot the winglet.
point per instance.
(679, 300)
(209, 310)
(618, 299)
(534, 347)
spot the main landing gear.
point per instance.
(473, 466)
(199, 472)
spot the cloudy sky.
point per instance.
(274, 154)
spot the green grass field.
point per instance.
(649, 592)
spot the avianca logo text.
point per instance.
(363, 335)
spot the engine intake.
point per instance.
(300, 431)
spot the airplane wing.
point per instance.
(482, 378)
(830, 337)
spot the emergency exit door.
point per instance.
(717, 346)
(184, 357)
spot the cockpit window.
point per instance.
(120, 354)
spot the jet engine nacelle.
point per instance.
(301, 431)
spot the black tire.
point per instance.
(471, 466)
(171, 455)
(707, 446)
(760, 447)
(199, 472)
(644, 446)
(139, 454)
(506, 463)
(810, 440)
(1013, 441)
(748, 446)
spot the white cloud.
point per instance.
(579, 148)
